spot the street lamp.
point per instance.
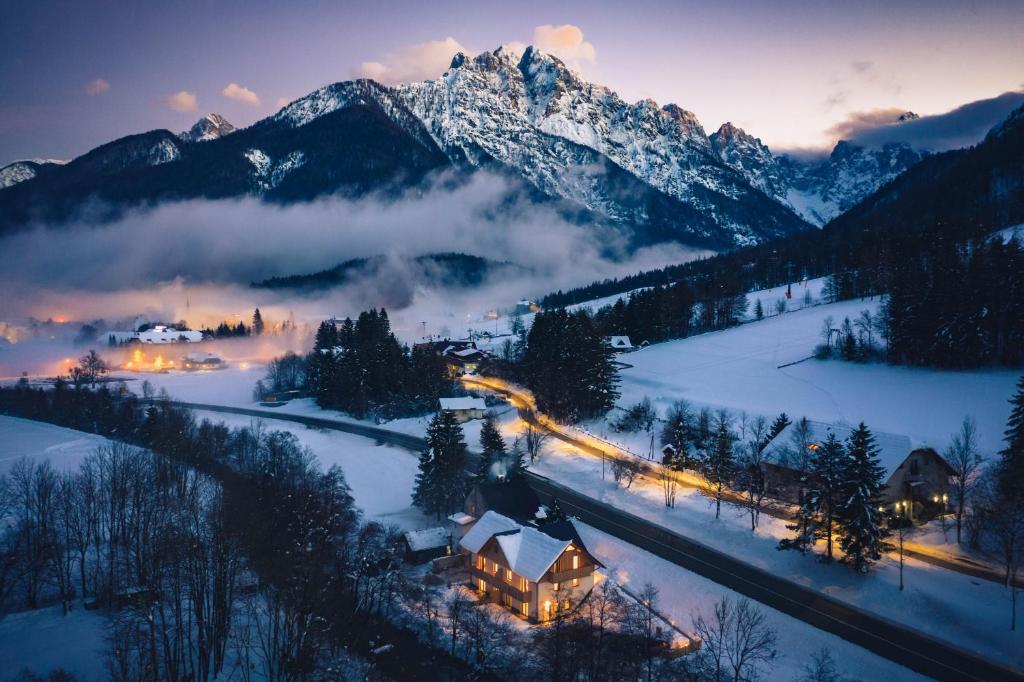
(901, 506)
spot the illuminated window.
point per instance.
(522, 584)
(575, 560)
(575, 582)
(526, 609)
(508, 575)
(554, 586)
(547, 609)
(483, 585)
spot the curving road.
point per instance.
(592, 446)
(881, 636)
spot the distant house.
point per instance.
(423, 545)
(199, 360)
(464, 360)
(525, 307)
(917, 476)
(529, 570)
(513, 498)
(465, 408)
(620, 344)
(157, 334)
(443, 346)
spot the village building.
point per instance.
(514, 499)
(423, 545)
(919, 477)
(619, 344)
(525, 307)
(157, 334)
(464, 409)
(466, 360)
(199, 360)
(529, 570)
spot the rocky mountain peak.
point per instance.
(209, 127)
(907, 116)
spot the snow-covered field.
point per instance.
(64, 448)
(682, 594)
(739, 369)
(381, 476)
(966, 611)
(45, 639)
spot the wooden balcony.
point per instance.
(498, 582)
(569, 574)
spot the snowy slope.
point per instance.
(739, 369)
(64, 448)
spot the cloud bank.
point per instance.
(205, 253)
(962, 127)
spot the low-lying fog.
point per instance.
(194, 261)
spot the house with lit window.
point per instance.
(916, 477)
(531, 570)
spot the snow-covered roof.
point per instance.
(428, 538)
(461, 518)
(489, 524)
(466, 352)
(466, 403)
(892, 448)
(530, 553)
(619, 341)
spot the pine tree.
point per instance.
(1011, 470)
(825, 479)
(426, 491)
(492, 449)
(676, 434)
(448, 463)
(863, 535)
(803, 524)
(758, 310)
(777, 427)
(257, 323)
(718, 465)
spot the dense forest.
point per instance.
(361, 368)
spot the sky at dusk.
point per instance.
(796, 74)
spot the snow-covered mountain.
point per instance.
(26, 169)
(822, 190)
(817, 189)
(209, 127)
(531, 113)
(649, 170)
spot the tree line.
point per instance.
(361, 368)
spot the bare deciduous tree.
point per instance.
(963, 456)
(736, 641)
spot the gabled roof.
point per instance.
(466, 403)
(489, 525)
(531, 553)
(893, 448)
(528, 551)
(428, 538)
(619, 341)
